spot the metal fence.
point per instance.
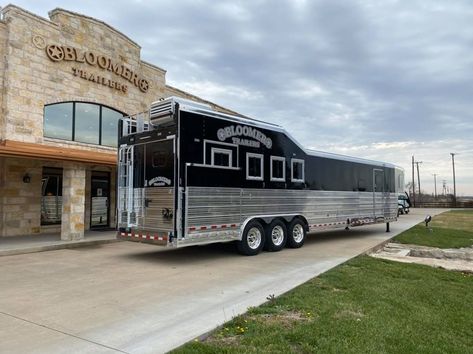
(450, 204)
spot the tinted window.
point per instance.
(87, 123)
(277, 169)
(51, 198)
(297, 170)
(110, 126)
(221, 159)
(159, 159)
(58, 121)
(254, 167)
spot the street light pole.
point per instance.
(454, 184)
(413, 183)
(418, 181)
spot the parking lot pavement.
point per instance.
(138, 298)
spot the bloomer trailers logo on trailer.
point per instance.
(189, 175)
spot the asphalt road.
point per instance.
(138, 298)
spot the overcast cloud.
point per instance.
(377, 79)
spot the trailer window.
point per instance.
(297, 170)
(221, 157)
(278, 168)
(254, 166)
(159, 159)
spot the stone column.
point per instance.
(2, 193)
(73, 202)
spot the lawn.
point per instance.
(452, 229)
(366, 305)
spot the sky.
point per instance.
(383, 80)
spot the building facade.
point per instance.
(66, 81)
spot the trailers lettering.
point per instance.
(235, 131)
(159, 181)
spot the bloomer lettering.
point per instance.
(239, 130)
(65, 53)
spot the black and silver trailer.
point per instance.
(189, 175)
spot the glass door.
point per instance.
(100, 194)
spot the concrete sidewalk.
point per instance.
(47, 242)
(138, 298)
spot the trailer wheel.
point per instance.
(296, 233)
(276, 236)
(252, 240)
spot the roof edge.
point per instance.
(72, 13)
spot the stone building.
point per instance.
(65, 83)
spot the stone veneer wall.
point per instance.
(73, 202)
(21, 201)
(36, 80)
(3, 38)
(30, 80)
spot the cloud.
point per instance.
(358, 73)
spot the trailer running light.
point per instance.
(212, 227)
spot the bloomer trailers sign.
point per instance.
(238, 134)
(58, 53)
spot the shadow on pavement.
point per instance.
(212, 252)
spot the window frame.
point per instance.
(254, 155)
(227, 152)
(301, 161)
(73, 127)
(277, 158)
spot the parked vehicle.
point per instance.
(404, 203)
(189, 175)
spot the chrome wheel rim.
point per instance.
(254, 238)
(277, 235)
(298, 233)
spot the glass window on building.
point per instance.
(110, 119)
(87, 120)
(58, 121)
(84, 122)
(51, 196)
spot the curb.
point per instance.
(54, 247)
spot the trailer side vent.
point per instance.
(161, 109)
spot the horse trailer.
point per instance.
(189, 175)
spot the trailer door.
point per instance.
(378, 192)
(159, 185)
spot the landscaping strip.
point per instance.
(453, 229)
(364, 305)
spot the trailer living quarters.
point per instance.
(189, 175)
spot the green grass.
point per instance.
(366, 305)
(452, 229)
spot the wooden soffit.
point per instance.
(49, 152)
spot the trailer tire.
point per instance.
(252, 240)
(296, 233)
(276, 236)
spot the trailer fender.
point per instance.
(267, 219)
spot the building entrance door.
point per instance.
(100, 203)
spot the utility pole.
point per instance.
(444, 185)
(454, 185)
(413, 183)
(435, 185)
(418, 180)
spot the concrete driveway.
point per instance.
(138, 298)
